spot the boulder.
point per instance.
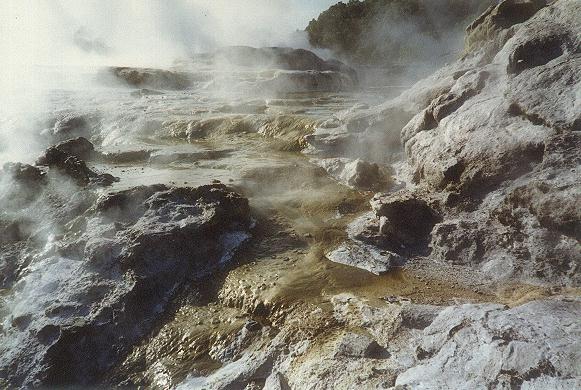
(67, 158)
(364, 256)
(110, 276)
(353, 345)
(356, 174)
(366, 248)
(79, 147)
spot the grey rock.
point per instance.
(104, 281)
(473, 346)
(353, 345)
(357, 173)
(365, 256)
(79, 147)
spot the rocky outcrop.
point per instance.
(67, 158)
(492, 150)
(100, 270)
(148, 78)
(273, 58)
(403, 345)
(357, 174)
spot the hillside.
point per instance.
(394, 31)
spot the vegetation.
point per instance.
(394, 31)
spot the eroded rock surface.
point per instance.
(100, 270)
(492, 149)
(68, 158)
(405, 345)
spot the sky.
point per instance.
(47, 31)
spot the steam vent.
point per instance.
(281, 195)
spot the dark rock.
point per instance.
(150, 78)
(79, 147)
(23, 172)
(66, 158)
(409, 219)
(135, 250)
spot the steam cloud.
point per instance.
(49, 44)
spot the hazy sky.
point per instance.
(45, 31)
(311, 8)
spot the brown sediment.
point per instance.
(516, 294)
(282, 274)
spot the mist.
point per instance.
(55, 45)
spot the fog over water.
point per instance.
(49, 45)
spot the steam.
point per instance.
(52, 45)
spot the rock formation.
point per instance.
(475, 220)
(493, 149)
(91, 274)
(148, 78)
(492, 161)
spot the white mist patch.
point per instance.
(56, 44)
(42, 284)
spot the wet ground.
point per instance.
(252, 144)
